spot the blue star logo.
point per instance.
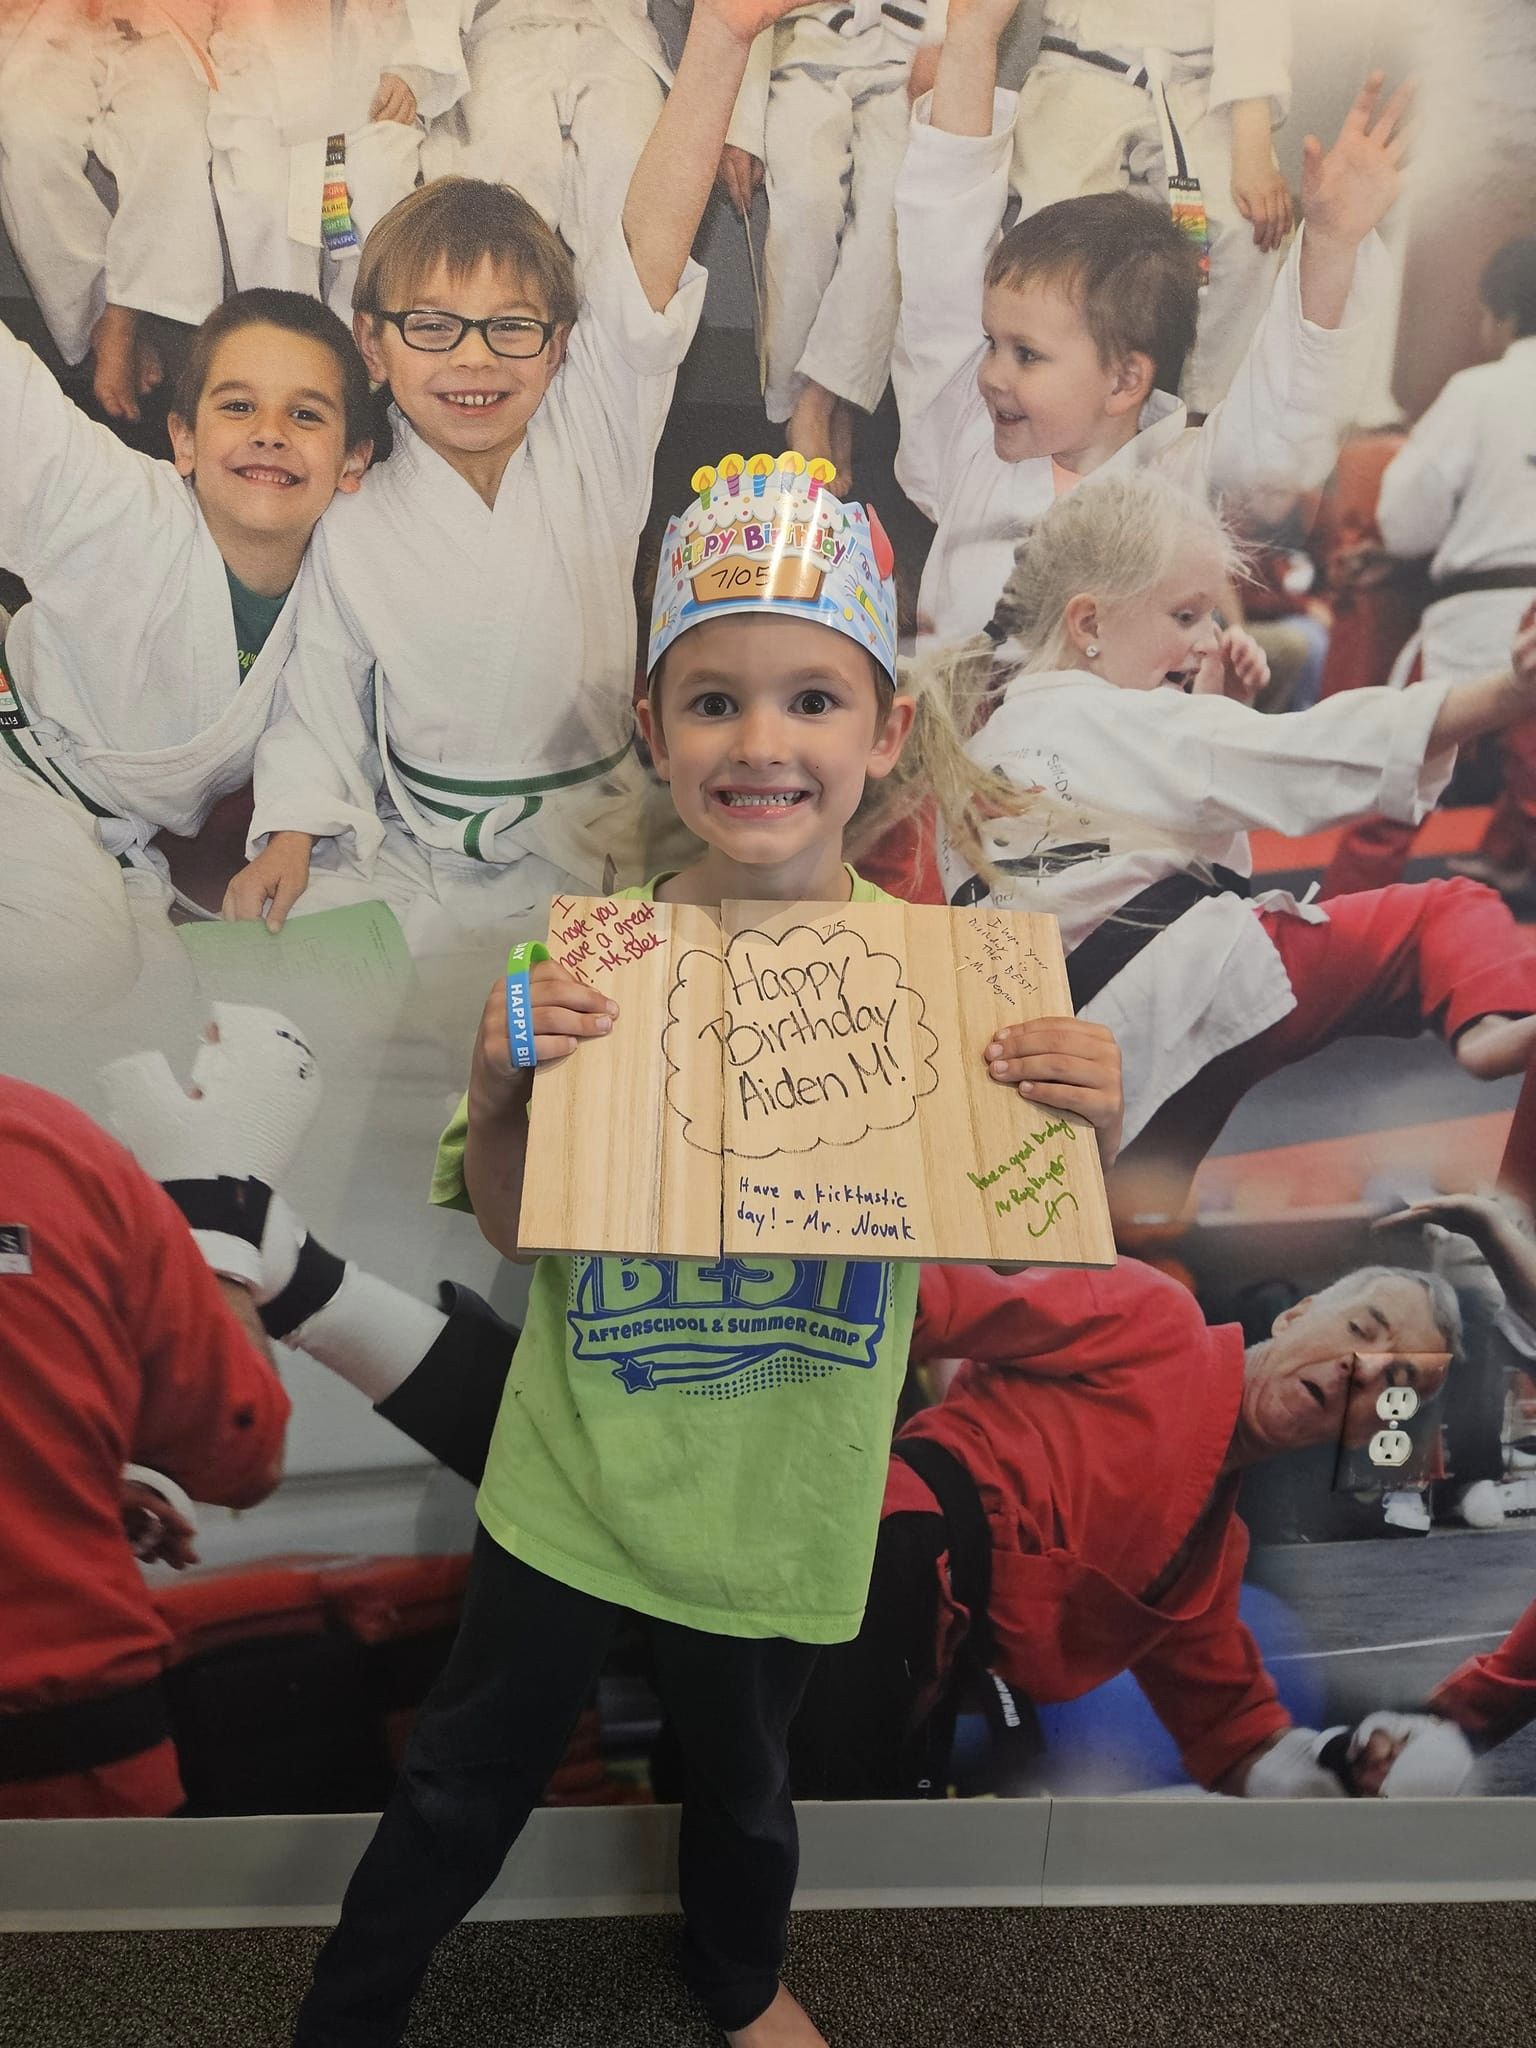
(635, 1376)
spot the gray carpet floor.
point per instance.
(1442, 1976)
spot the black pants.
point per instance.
(496, 1724)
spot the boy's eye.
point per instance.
(815, 702)
(1025, 355)
(236, 405)
(308, 415)
(713, 704)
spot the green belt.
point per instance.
(12, 722)
(532, 788)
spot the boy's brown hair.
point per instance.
(459, 223)
(295, 313)
(1134, 275)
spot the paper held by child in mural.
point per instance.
(804, 1080)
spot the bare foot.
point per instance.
(786, 2024)
(116, 377)
(809, 429)
(1496, 1046)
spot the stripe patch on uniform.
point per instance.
(15, 1248)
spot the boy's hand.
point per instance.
(1347, 190)
(747, 19)
(1238, 669)
(1065, 1063)
(1263, 198)
(739, 176)
(270, 885)
(565, 1012)
(394, 101)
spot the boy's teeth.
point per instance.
(768, 799)
(475, 398)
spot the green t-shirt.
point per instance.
(702, 1440)
(255, 616)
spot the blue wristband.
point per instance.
(520, 1004)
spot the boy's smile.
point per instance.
(769, 730)
(470, 405)
(1045, 388)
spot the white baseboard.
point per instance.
(284, 1870)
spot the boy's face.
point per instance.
(1160, 639)
(1045, 387)
(767, 730)
(467, 403)
(268, 448)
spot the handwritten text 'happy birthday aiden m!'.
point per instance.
(819, 1038)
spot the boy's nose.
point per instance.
(473, 350)
(271, 432)
(760, 737)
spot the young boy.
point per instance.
(742, 1526)
(826, 101)
(127, 84)
(1463, 490)
(562, 98)
(1022, 370)
(135, 684)
(317, 127)
(1130, 94)
(467, 639)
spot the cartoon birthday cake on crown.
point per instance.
(767, 533)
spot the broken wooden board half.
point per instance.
(612, 1166)
(806, 1080)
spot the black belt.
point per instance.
(1521, 577)
(1110, 949)
(970, 1540)
(83, 1735)
(1061, 46)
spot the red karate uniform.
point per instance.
(119, 1348)
(1094, 1421)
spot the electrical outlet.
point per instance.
(1393, 1447)
(1391, 1420)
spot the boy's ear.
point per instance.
(559, 341)
(652, 734)
(355, 468)
(181, 444)
(1081, 619)
(1135, 379)
(891, 738)
(365, 332)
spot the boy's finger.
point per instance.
(1088, 1103)
(1394, 112)
(1039, 1067)
(568, 1023)
(1365, 100)
(1072, 1036)
(572, 994)
(548, 1050)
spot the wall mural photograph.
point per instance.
(767, 921)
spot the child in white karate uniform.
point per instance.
(1024, 364)
(459, 738)
(1128, 94)
(825, 116)
(134, 684)
(1463, 491)
(127, 84)
(562, 98)
(317, 128)
(1145, 783)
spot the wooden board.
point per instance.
(807, 1080)
(612, 1166)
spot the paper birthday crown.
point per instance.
(768, 535)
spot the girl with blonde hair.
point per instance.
(1104, 667)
